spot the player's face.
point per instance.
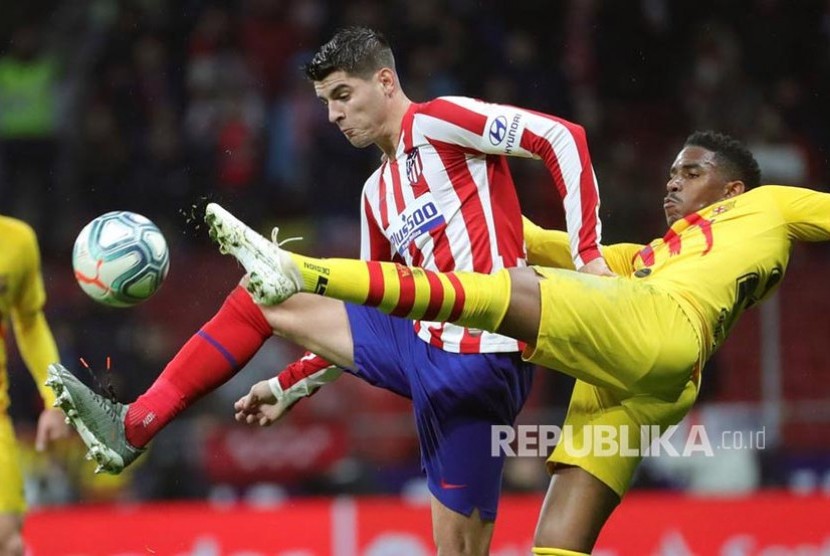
(695, 182)
(356, 106)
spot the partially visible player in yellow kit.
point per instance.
(21, 305)
(635, 342)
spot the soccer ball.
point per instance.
(120, 259)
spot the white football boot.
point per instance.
(272, 275)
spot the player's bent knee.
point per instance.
(459, 539)
(288, 319)
(457, 535)
(459, 545)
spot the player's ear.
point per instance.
(387, 80)
(733, 188)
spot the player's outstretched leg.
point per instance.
(98, 420)
(272, 276)
(470, 299)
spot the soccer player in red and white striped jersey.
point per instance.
(442, 199)
(450, 160)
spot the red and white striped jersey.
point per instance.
(447, 202)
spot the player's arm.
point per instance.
(269, 400)
(32, 333)
(546, 247)
(35, 340)
(552, 248)
(507, 130)
(37, 347)
(805, 211)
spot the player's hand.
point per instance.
(260, 406)
(51, 425)
(597, 267)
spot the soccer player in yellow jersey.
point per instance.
(21, 304)
(635, 342)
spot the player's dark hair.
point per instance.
(358, 51)
(734, 158)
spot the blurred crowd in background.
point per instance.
(155, 106)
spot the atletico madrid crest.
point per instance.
(414, 167)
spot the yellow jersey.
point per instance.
(716, 262)
(22, 297)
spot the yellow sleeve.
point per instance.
(620, 257)
(806, 212)
(31, 295)
(32, 334)
(546, 247)
(551, 248)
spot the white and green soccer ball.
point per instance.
(120, 259)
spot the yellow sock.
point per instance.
(557, 552)
(466, 298)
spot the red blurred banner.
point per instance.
(646, 524)
(243, 456)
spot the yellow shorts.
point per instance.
(635, 356)
(11, 476)
(602, 431)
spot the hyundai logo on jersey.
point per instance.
(418, 219)
(512, 133)
(498, 129)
